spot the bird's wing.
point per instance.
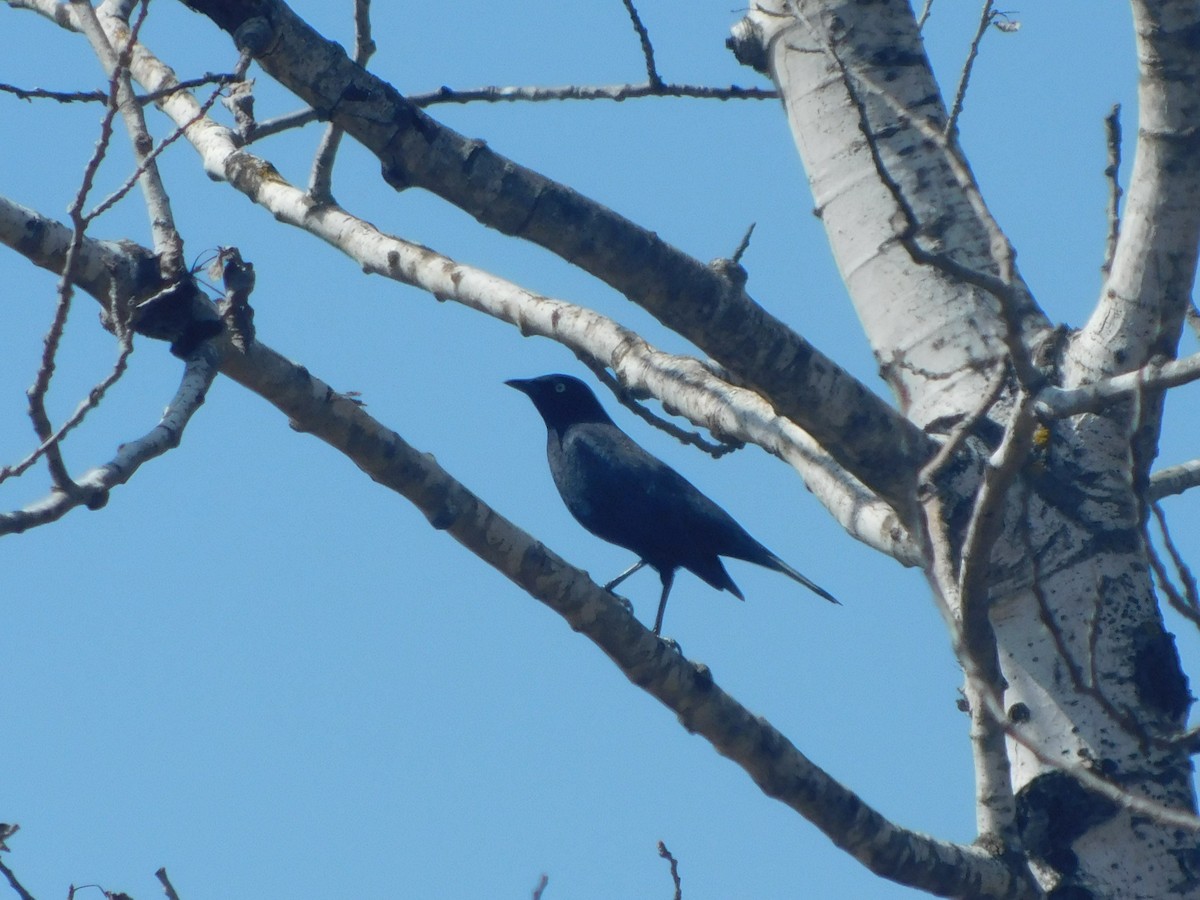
(623, 494)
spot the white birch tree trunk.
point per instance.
(1087, 677)
(1029, 523)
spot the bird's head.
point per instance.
(561, 399)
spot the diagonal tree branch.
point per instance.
(775, 765)
(167, 242)
(688, 689)
(866, 436)
(689, 387)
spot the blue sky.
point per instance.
(259, 669)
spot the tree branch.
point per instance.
(94, 486)
(1157, 375)
(779, 769)
(534, 94)
(688, 689)
(1140, 311)
(709, 402)
(652, 76)
(1112, 173)
(320, 186)
(1174, 480)
(168, 244)
(866, 436)
(960, 94)
(223, 78)
(14, 883)
(168, 888)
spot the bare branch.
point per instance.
(280, 124)
(996, 816)
(95, 395)
(688, 689)
(652, 76)
(94, 486)
(681, 291)
(666, 854)
(320, 186)
(1187, 602)
(742, 246)
(958, 436)
(14, 883)
(960, 94)
(690, 438)
(530, 94)
(616, 92)
(705, 401)
(1002, 286)
(1141, 306)
(168, 244)
(926, 9)
(102, 97)
(168, 888)
(115, 197)
(1174, 480)
(540, 887)
(41, 385)
(1112, 172)
(1056, 403)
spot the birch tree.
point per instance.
(1015, 466)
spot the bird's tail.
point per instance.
(780, 566)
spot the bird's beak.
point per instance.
(518, 383)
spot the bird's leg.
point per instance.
(637, 565)
(668, 578)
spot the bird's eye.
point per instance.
(559, 387)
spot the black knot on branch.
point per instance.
(254, 36)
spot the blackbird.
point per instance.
(626, 496)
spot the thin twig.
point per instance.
(13, 883)
(1086, 686)
(101, 97)
(167, 241)
(168, 888)
(1057, 403)
(691, 438)
(666, 854)
(1112, 172)
(156, 151)
(652, 75)
(963, 429)
(320, 185)
(534, 94)
(743, 245)
(540, 887)
(49, 442)
(95, 395)
(92, 488)
(985, 19)
(1187, 602)
(617, 92)
(41, 385)
(924, 16)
